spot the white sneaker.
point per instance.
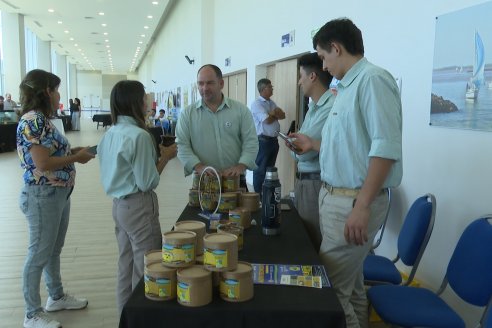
(67, 302)
(41, 320)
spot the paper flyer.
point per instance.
(290, 274)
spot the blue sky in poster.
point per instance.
(455, 36)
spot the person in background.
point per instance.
(173, 119)
(163, 122)
(9, 104)
(130, 171)
(76, 111)
(216, 131)
(1, 102)
(49, 177)
(266, 115)
(150, 119)
(314, 84)
(360, 155)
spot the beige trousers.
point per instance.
(343, 261)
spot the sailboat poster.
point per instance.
(462, 72)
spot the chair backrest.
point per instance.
(416, 231)
(379, 236)
(469, 271)
(486, 321)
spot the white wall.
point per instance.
(399, 36)
(89, 84)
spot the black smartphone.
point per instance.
(93, 150)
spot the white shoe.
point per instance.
(41, 320)
(67, 302)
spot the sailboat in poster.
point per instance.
(476, 81)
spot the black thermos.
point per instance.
(270, 203)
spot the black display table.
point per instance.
(103, 119)
(8, 133)
(272, 306)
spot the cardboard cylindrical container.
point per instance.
(228, 201)
(237, 285)
(193, 199)
(153, 256)
(220, 252)
(250, 201)
(230, 183)
(234, 229)
(194, 286)
(178, 248)
(197, 227)
(160, 282)
(240, 216)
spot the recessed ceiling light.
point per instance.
(105, 33)
(60, 22)
(103, 24)
(51, 10)
(106, 40)
(71, 39)
(155, 2)
(146, 27)
(140, 42)
(66, 31)
(108, 46)
(76, 45)
(142, 35)
(101, 13)
(150, 16)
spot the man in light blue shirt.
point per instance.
(314, 83)
(216, 131)
(360, 154)
(266, 115)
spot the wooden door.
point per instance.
(236, 86)
(284, 79)
(225, 90)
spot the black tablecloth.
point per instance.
(67, 122)
(104, 119)
(8, 133)
(272, 306)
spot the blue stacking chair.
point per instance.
(379, 237)
(412, 241)
(486, 321)
(469, 274)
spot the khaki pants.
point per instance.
(306, 202)
(137, 230)
(344, 261)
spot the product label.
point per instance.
(235, 218)
(288, 274)
(183, 290)
(177, 254)
(215, 257)
(157, 287)
(230, 288)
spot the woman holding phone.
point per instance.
(130, 171)
(49, 178)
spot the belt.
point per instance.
(339, 191)
(308, 175)
(262, 136)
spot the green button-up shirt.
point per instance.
(127, 159)
(365, 122)
(312, 126)
(221, 139)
